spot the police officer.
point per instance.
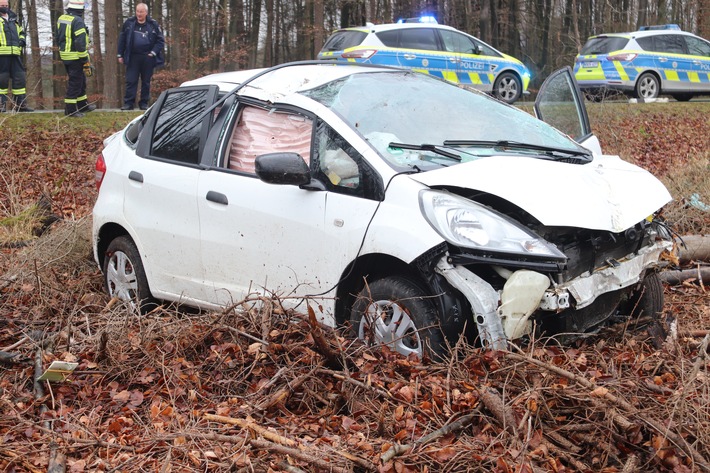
(140, 48)
(12, 41)
(73, 41)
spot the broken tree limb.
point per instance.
(250, 425)
(458, 424)
(494, 403)
(14, 358)
(284, 392)
(676, 277)
(306, 456)
(694, 248)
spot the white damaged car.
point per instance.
(409, 208)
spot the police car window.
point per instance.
(344, 39)
(458, 43)
(669, 43)
(646, 43)
(172, 138)
(603, 45)
(389, 38)
(418, 38)
(697, 47)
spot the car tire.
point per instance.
(649, 298)
(684, 97)
(124, 276)
(647, 86)
(507, 87)
(405, 318)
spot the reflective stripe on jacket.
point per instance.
(72, 38)
(12, 36)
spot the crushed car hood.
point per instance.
(606, 194)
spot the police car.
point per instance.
(423, 45)
(655, 60)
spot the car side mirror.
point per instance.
(282, 168)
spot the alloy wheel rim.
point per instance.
(121, 277)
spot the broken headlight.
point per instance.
(467, 224)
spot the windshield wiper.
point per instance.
(426, 147)
(515, 145)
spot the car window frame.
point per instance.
(145, 140)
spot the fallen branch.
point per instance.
(250, 425)
(281, 394)
(458, 424)
(14, 358)
(676, 277)
(306, 456)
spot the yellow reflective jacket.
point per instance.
(12, 36)
(72, 37)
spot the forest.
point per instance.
(204, 36)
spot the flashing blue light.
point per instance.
(421, 19)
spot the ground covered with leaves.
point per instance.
(259, 388)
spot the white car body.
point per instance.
(209, 237)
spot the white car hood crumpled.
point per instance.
(606, 194)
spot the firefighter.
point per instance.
(73, 42)
(12, 41)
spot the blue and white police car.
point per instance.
(655, 60)
(423, 45)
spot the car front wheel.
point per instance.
(395, 311)
(647, 86)
(649, 298)
(507, 87)
(124, 275)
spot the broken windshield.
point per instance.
(407, 107)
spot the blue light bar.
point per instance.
(421, 19)
(670, 26)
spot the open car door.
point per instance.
(560, 103)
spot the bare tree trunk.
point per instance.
(254, 32)
(269, 38)
(97, 82)
(318, 22)
(235, 37)
(34, 73)
(60, 83)
(111, 89)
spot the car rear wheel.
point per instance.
(395, 311)
(647, 86)
(684, 97)
(507, 87)
(125, 277)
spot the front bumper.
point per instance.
(505, 315)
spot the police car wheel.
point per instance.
(507, 87)
(647, 86)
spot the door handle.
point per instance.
(663, 59)
(454, 59)
(696, 63)
(135, 176)
(410, 56)
(217, 197)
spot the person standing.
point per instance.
(140, 48)
(12, 41)
(73, 41)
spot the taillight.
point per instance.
(100, 171)
(360, 54)
(622, 57)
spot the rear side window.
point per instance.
(344, 39)
(669, 43)
(604, 45)
(410, 38)
(177, 135)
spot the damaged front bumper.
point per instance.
(503, 315)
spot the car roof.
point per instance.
(396, 26)
(285, 79)
(642, 34)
